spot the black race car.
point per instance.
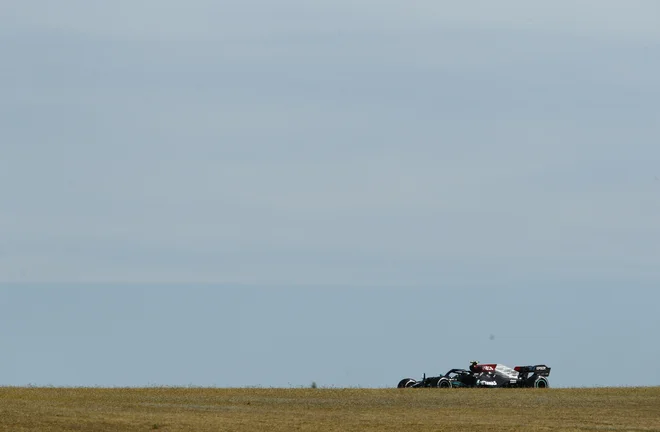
(485, 375)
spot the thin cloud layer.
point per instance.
(355, 143)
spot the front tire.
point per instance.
(406, 383)
(443, 383)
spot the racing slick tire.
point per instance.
(541, 382)
(443, 383)
(406, 382)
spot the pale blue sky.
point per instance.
(293, 155)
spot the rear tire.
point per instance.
(406, 382)
(541, 383)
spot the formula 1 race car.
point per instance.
(485, 375)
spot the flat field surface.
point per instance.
(211, 409)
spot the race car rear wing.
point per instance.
(541, 370)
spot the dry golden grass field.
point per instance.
(210, 409)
